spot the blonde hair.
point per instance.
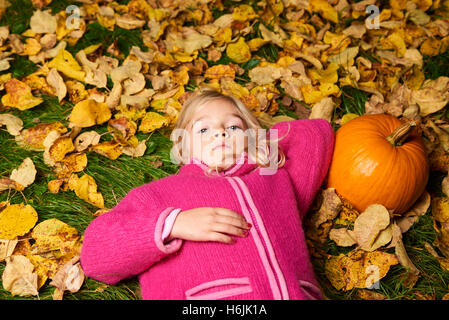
(200, 98)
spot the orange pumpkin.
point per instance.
(379, 159)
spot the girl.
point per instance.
(228, 225)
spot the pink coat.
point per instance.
(271, 263)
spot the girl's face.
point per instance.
(217, 134)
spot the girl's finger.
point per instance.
(238, 222)
(229, 229)
(228, 212)
(216, 236)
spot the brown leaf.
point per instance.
(371, 227)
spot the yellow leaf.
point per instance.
(16, 220)
(220, 71)
(223, 36)
(89, 112)
(430, 47)
(256, 43)
(243, 13)
(329, 75)
(31, 48)
(152, 121)
(239, 51)
(18, 95)
(60, 147)
(348, 117)
(325, 9)
(53, 234)
(65, 63)
(86, 189)
(110, 149)
(358, 269)
(34, 137)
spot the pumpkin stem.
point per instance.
(401, 133)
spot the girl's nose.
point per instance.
(224, 134)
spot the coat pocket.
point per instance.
(218, 289)
(310, 290)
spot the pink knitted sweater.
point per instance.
(272, 262)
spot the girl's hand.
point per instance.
(209, 224)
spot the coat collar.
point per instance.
(240, 167)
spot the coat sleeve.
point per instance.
(308, 146)
(126, 240)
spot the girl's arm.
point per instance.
(308, 148)
(126, 240)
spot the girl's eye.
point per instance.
(203, 130)
(234, 127)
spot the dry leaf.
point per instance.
(152, 121)
(25, 174)
(323, 109)
(16, 220)
(18, 276)
(34, 137)
(433, 95)
(70, 277)
(88, 113)
(372, 227)
(13, 124)
(56, 81)
(342, 237)
(60, 147)
(86, 139)
(19, 95)
(7, 248)
(43, 22)
(86, 189)
(358, 269)
(419, 209)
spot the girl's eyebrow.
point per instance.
(231, 114)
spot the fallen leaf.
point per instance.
(43, 22)
(371, 227)
(25, 174)
(56, 81)
(433, 95)
(324, 109)
(7, 248)
(88, 113)
(342, 237)
(239, 51)
(60, 147)
(358, 268)
(152, 121)
(18, 276)
(86, 189)
(19, 95)
(16, 220)
(13, 124)
(70, 277)
(86, 139)
(34, 137)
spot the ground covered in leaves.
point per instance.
(90, 94)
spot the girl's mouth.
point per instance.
(223, 145)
